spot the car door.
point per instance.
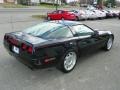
(85, 41)
(55, 15)
(58, 15)
(65, 15)
(61, 14)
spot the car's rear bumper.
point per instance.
(20, 56)
(28, 60)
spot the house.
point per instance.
(8, 1)
(52, 1)
(69, 1)
(34, 2)
(1, 1)
(87, 1)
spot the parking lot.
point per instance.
(96, 71)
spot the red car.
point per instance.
(61, 15)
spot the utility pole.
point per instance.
(56, 5)
(40, 1)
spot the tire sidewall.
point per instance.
(48, 18)
(77, 18)
(106, 47)
(61, 63)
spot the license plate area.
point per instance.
(15, 49)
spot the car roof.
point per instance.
(66, 22)
(60, 10)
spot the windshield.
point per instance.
(49, 31)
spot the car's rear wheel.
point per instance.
(77, 18)
(62, 19)
(109, 44)
(68, 62)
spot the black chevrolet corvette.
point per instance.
(56, 42)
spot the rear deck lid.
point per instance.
(29, 38)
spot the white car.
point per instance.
(115, 13)
(100, 14)
(80, 14)
(90, 14)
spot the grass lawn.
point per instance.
(39, 16)
(48, 6)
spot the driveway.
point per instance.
(99, 70)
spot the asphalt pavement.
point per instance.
(96, 71)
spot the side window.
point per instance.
(76, 11)
(54, 12)
(63, 32)
(61, 12)
(82, 30)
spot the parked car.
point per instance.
(110, 14)
(115, 13)
(59, 44)
(106, 12)
(80, 14)
(90, 14)
(99, 14)
(61, 15)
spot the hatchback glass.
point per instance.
(49, 31)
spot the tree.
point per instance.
(110, 3)
(113, 3)
(100, 3)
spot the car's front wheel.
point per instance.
(68, 61)
(109, 44)
(48, 18)
(77, 18)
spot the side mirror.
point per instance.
(95, 34)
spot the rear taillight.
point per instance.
(27, 48)
(11, 40)
(6, 37)
(30, 50)
(24, 47)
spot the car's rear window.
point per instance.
(41, 28)
(49, 31)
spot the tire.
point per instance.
(62, 19)
(68, 61)
(48, 18)
(77, 18)
(109, 44)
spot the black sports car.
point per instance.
(56, 42)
